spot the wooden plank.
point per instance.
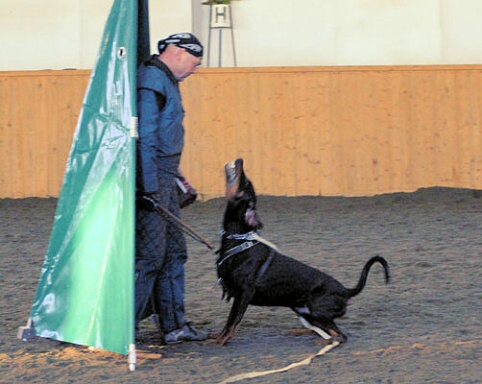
(6, 138)
(329, 141)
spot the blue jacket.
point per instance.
(161, 132)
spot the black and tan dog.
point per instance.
(253, 272)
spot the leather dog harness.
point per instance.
(251, 239)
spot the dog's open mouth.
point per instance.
(233, 171)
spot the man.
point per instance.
(160, 246)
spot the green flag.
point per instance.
(86, 290)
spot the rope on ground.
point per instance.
(306, 361)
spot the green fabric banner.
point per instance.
(86, 290)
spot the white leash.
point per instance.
(306, 361)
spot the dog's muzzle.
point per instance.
(233, 171)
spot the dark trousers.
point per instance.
(160, 257)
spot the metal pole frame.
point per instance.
(220, 38)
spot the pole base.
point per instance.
(26, 333)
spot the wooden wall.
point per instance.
(38, 115)
(351, 131)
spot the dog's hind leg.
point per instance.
(303, 315)
(314, 328)
(323, 309)
(333, 330)
(327, 329)
(240, 305)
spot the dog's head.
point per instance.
(240, 215)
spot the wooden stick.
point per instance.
(186, 228)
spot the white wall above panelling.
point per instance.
(39, 34)
(92, 16)
(388, 32)
(462, 31)
(168, 17)
(57, 34)
(285, 33)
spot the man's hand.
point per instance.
(187, 193)
(148, 200)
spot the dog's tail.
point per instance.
(363, 278)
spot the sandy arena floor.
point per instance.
(425, 327)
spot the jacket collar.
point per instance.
(154, 61)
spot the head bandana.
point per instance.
(183, 40)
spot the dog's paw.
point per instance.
(337, 336)
(211, 341)
(220, 341)
(212, 337)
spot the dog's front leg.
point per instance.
(240, 305)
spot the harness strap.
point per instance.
(239, 248)
(265, 265)
(252, 238)
(253, 235)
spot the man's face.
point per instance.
(186, 65)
